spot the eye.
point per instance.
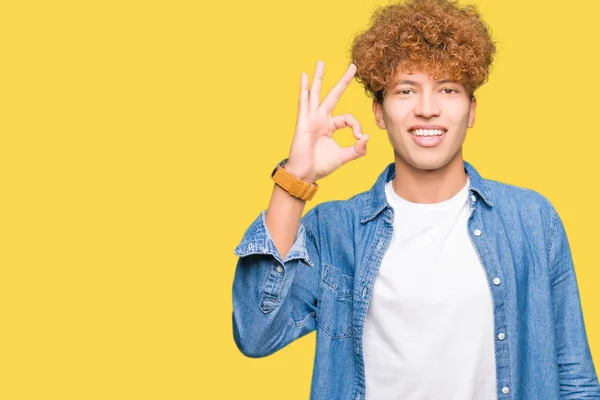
(449, 91)
(405, 92)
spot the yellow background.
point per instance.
(137, 138)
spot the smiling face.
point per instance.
(426, 119)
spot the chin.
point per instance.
(427, 164)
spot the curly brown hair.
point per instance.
(438, 36)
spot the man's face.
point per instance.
(426, 119)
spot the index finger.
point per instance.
(336, 92)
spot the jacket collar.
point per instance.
(377, 202)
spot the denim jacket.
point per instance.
(326, 280)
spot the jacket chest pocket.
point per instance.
(335, 310)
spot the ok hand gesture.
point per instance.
(314, 154)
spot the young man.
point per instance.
(436, 283)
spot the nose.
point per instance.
(427, 106)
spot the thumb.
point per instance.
(358, 150)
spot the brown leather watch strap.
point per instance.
(300, 189)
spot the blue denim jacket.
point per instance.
(326, 280)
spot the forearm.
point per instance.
(268, 313)
(283, 218)
(577, 375)
(262, 306)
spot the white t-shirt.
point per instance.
(429, 331)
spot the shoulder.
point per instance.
(507, 194)
(525, 207)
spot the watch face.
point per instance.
(281, 164)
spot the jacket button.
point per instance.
(477, 232)
(279, 268)
(501, 336)
(505, 390)
(496, 281)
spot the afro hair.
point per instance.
(441, 37)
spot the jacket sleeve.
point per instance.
(274, 300)
(577, 376)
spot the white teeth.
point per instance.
(428, 132)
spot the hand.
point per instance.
(314, 154)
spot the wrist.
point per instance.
(297, 187)
(299, 172)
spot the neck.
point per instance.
(429, 186)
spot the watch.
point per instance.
(298, 188)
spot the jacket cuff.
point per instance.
(257, 240)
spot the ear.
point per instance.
(472, 108)
(378, 112)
